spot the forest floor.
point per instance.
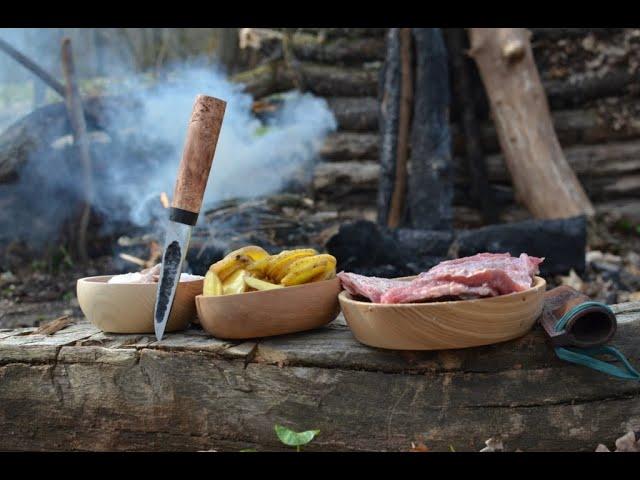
(35, 291)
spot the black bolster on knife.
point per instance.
(183, 216)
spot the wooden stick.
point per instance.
(33, 67)
(480, 191)
(397, 209)
(389, 101)
(543, 179)
(79, 127)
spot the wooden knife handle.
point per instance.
(197, 157)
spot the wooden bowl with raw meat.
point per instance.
(444, 325)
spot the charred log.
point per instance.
(430, 189)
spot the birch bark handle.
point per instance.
(199, 148)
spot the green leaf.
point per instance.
(261, 130)
(451, 448)
(248, 450)
(295, 439)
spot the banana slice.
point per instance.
(279, 265)
(212, 285)
(238, 259)
(235, 283)
(304, 269)
(260, 284)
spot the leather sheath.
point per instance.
(586, 323)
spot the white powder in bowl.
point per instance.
(149, 275)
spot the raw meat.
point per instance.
(481, 275)
(369, 287)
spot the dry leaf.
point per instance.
(419, 447)
(628, 443)
(493, 445)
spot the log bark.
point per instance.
(356, 114)
(430, 189)
(81, 389)
(321, 79)
(542, 177)
(389, 97)
(341, 50)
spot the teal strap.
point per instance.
(577, 309)
(587, 356)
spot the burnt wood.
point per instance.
(430, 186)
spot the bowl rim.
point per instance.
(270, 292)
(346, 296)
(103, 279)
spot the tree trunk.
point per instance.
(81, 389)
(430, 171)
(542, 177)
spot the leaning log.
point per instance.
(38, 129)
(430, 189)
(81, 389)
(542, 177)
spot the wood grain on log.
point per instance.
(341, 50)
(81, 389)
(542, 177)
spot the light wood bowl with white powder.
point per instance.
(128, 307)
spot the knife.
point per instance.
(193, 173)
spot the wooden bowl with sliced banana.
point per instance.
(251, 294)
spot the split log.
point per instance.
(480, 191)
(543, 179)
(81, 389)
(389, 98)
(430, 189)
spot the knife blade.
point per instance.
(193, 172)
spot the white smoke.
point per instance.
(251, 159)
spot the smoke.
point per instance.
(137, 156)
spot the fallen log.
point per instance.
(518, 100)
(430, 182)
(353, 145)
(321, 79)
(340, 50)
(561, 242)
(358, 114)
(42, 126)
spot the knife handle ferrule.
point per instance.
(183, 216)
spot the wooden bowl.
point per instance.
(270, 312)
(128, 308)
(444, 325)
